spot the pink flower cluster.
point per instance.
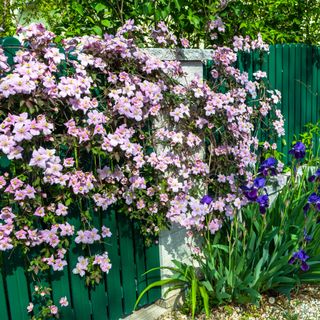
(14, 130)
(84, 265)
(58, 262)
(163, 36)
(246, 44)
(215, 27)
(47, 308)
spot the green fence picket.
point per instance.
(114, 288)
(314, 80)
(140, 266)
(303, 110)
(79, 291)
(99, 298)
(291, 94)
(60, 288)
(153, 261)
(278, 79)
(10, 46)
(3, 302)
(99, 301)
(297, 102)
(285, 93)
(128, 271)
(17, 287)
(265, 68)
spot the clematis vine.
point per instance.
(99, 122)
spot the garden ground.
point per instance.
(303, 305)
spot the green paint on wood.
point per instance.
(3, 302)
(152, 261)
(140, 265)
(4, 162)
(291, 94)
(278, 78)
(128, 272)
(10, 46)
(297, 91)
(115, 292)
(17, 286)
(79, 291)
(304, 84)
(99, 299)
(60, 288)
(285, 92)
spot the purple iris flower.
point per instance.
(259, 182)
(304, 266)
(263, 202)
(250, 193)
(298, 150)
(313, 198)
(268, 165)
(303, 257)
(314, 176)
(206, 199)
(292, 260)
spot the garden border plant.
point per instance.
(262, 249)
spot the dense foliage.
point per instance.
(279, 21)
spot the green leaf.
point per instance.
(177, 4)
(208, 285)
(99, 7)
(194, 289)
(205, 298)
(243, 25)
(106, 23)
(152, 285)
(221, 247)
(77, 7)
(176, 270)
(283, 279)
(97, 30)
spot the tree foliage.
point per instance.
(279, 21)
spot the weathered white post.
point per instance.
(173, 242)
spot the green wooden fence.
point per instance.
(293, 69)
(112, 298)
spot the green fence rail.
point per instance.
(113, 298)
(293, 69)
